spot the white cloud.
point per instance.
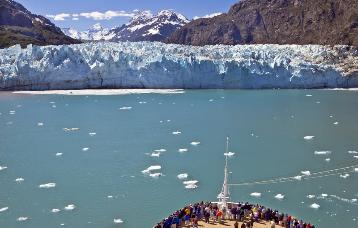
(106, 15)
(75, 18)
(208, 15)
(59, 17)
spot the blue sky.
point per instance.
(82, 14)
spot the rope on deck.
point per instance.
(321, 174)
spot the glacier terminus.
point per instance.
(158, 65)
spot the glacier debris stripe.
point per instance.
(158, 65)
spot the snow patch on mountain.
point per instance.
(96, 33)
(158, 65)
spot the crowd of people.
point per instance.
(244, 213)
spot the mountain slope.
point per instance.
(276, 22)
(20, 26)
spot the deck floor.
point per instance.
(228, 223)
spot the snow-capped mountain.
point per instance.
(144, 26)
(97, 32)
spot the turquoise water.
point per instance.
(266, 129)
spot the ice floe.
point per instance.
(344, 176)
(229, 154)
(336, 123)
(323, 152)
(191, 186)
(92, 133)
(19, 180)
(55, 210)
(176, 132)
(22, 219)
(125, 108)
(182, 176)
(160, 150)
(12, 112)
(311, 196)
(70, 207)
(256, 194)
(142, 102)
(355, 169)
(308, 137)
(190, 182)
(315, 206)
(298, 177)
(40, 124)
(279, 196)
(306, 173)
(352, 152)
(182, 150)
(194, 143)
(155, 154)
(308, 95)
(2, 167)
(4, 209)
(58, 154)
(48, 185)
(151, 168)
(155, 175)
(85, 149)
(71, 129)
(327, 159)
(117, 221)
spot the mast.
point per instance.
(224, 195)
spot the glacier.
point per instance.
(158, 65)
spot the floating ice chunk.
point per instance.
(182, 176)
(156, 175)
(4, 209)
(311, 196)
(306, 173)
(71, 129)
(318, 102)
(327, 159)
(353, 157)
(85, 149)
(191, 186)
(323, 152)
(110, 197)
(190, 182)
(176, 132)
(117, 221)
(152, 168)
(211, 100)
(308, 137)
(160, 150)
(229, 154)
(142, 102)
(125, 108)
(40, 124)
(48, 185)
(324, 195)
(55, 210)
(308, 95)
(92, 133)
(2, 167)
(19, 180)
(58, 154)
(352, 152)
(155, 154)
(182, 150)
(279, 196)
(336, 123)
(194, 143)
(298, 177)
(12, 112)
(256, 194)
(344, 176)
(22, 219)
(70, 207)
(354, 200)
(315, 206)
(355, 169)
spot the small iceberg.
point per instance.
(279, 196)
(58, 154)
(70, 129)
(92, 133)
(306, 173)
(298, 177)
(176, 132)
(344, 176)
(85, 149)
(182, 176)
(229, 154)
(151, 168)
(117, 221)
(355, 169)
(4, 209)
(315, 206)
(308, 95)
(2, 167)
(336, 123)
(160, 150)
(155, 154)
(156, 175)
(191, 186)
(48, 185)
(70, 207)
(194, 143)
(40, 124)
(256, 194)
(19, 180)
(311, 196)
(323, 152)
(125, 108)
(327, 159)
(352, 152)
(190, 182)
(22, 219)
(308, 137)
(182, 150)
(55, 210)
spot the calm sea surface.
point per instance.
(101, 175)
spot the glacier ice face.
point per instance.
(158, 65)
